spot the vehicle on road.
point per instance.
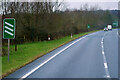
(105, 29)
(109, 27)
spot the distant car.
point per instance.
(109, 27)
(105, 29)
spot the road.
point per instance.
(92, 56)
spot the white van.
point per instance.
(109, 27)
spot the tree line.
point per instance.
(36, 21)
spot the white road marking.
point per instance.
(102, 46)
(103, 52)
(104, 58)
(9, 24)
(118, 34)
(101, 42)
(108, 76)
(105, 64)
(33, 70)
(9, 32)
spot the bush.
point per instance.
(4, 51)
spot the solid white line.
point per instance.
(9, 33)
(9, 28)
(105, 64)
(9, 24)
(33, 70)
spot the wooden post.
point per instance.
(71, 35)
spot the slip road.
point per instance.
(92, 56)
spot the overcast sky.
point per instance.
(92, 0)
(72, 4)
(102, 4)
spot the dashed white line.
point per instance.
(108, 76)
(105, 64)
(117, 32)
(103, 52)
(102, 46)
(101, 42)
(104, 58)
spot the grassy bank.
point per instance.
(28, 52)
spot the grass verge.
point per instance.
(28, 52)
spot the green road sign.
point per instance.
(9, 28)
(115, 24)
(88, 26)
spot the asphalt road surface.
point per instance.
(92, 56)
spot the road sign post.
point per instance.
(71, 35)
(8, 48)
(88, 27)
(9, 31)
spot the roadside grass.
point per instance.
(28, 52)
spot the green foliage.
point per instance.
(36, 20)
